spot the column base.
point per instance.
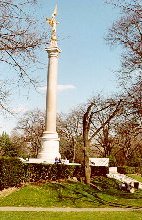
(49, 147)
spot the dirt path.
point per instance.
(7, 192)
(40, 209)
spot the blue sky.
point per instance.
(86, 64)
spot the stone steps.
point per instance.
(123, 178)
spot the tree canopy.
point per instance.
(127, 32)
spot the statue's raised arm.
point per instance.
(53, 23)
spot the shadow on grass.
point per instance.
(106, 193)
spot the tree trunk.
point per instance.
(86, 162)
(86, 127)
(74, 146)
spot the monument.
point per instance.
(50, 140)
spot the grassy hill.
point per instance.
(104, 192)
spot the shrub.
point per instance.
(129, 170)
(11, 172)
(99, 171)
(138, 170)
(37, 172)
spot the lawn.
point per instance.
(71, 216)
(136, 177)
(52, 195)
(105, 193)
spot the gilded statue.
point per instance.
(53, 23)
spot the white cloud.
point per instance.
(60, 88)
(19, 109)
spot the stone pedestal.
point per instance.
(50, 147)
(50, 140)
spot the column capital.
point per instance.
(53, 51)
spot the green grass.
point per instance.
(70, 216)
(136, 177)
(52, 195)
(105, 193)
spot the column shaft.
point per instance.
(50, 124)
(50, 141)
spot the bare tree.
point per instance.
(20, 38)
(19, 35)
(128, 128)
(128, 141)
(69, 127)
(133, 101)
(127, 32)
(105, 140)
(31, 127)
(91, 126)
(4, 94)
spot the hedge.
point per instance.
(129, 170)
(99, 171)
(38, 172)
(11, 172)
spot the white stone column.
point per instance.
(50, 140)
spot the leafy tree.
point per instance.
(6, 146)
(20, 144)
